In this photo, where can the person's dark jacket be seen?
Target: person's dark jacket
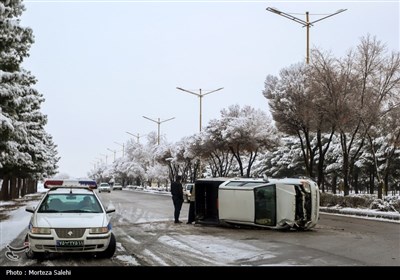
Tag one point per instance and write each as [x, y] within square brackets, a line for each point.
[177, 190]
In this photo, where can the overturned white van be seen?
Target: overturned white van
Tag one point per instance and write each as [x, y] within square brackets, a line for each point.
[274, 203]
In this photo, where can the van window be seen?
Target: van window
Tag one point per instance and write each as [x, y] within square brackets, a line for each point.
[265, 205]
[189, 187]
[242, 184]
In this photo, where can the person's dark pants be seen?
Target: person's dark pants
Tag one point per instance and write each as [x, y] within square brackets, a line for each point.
[192, 214]
[177, 206]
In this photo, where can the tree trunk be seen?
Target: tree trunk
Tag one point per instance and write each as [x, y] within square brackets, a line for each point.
[334, 182]
[345, 165]
[321, 159]
[346, 187]
[386, 184]
[371, 180]
[19, 187]
[320, 168]
[380, 187]
[30, 186]
[13, 187]
[24, 187]
[4, 194]
[356, 181]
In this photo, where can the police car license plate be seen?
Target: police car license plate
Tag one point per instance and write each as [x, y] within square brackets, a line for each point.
[69, 243]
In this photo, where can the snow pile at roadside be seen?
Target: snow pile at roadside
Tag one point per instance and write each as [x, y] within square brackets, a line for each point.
[367, 205]
[361, 212]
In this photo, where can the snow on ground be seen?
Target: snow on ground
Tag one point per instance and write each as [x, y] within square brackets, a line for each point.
[362, 212]
[17, 221]
[127, 259]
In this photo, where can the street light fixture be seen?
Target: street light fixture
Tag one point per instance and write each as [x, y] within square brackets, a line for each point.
[305, 23]
[114, 151]
[158, 122]
[200, 96]
[137, 136]
[123, 148]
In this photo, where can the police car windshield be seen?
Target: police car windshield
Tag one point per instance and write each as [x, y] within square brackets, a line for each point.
[70, 203]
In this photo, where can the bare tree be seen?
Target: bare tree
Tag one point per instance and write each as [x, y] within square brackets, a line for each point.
[369, 82]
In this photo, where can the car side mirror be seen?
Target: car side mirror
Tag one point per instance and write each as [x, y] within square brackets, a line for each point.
[110, 209]
[30, 209]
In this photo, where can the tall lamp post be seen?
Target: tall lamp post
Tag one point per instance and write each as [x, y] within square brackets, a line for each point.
[305, 23]
[200, 96]
[137, 136]
[123, 148]
[158, 122]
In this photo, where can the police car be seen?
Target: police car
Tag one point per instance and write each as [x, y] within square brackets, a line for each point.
[70, 218]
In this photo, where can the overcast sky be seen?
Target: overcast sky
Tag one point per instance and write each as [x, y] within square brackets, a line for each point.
[103, 65]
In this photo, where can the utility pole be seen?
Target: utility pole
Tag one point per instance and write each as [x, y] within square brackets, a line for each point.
[200, 96]
[158, 122]
[137, 136]
[306, 24]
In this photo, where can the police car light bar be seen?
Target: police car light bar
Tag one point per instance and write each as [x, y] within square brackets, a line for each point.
[50, 183]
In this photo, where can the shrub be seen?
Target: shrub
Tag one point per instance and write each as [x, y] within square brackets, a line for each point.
[353, 201]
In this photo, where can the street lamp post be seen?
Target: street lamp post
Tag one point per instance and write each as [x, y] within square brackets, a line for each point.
[123, 148]
[114, 151]
[306, 24]
[200, 96]
[158, 122]
[137, 136]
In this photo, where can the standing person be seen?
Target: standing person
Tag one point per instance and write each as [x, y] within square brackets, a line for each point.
[192, 212]
[177, 197]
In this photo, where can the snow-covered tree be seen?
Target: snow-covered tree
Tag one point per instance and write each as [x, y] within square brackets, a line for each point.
[384, 147]
[212, 148]
[346, 96]
[283, 161]
[291, 101]
[245, 132]
[371, 82]
[27, 151]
